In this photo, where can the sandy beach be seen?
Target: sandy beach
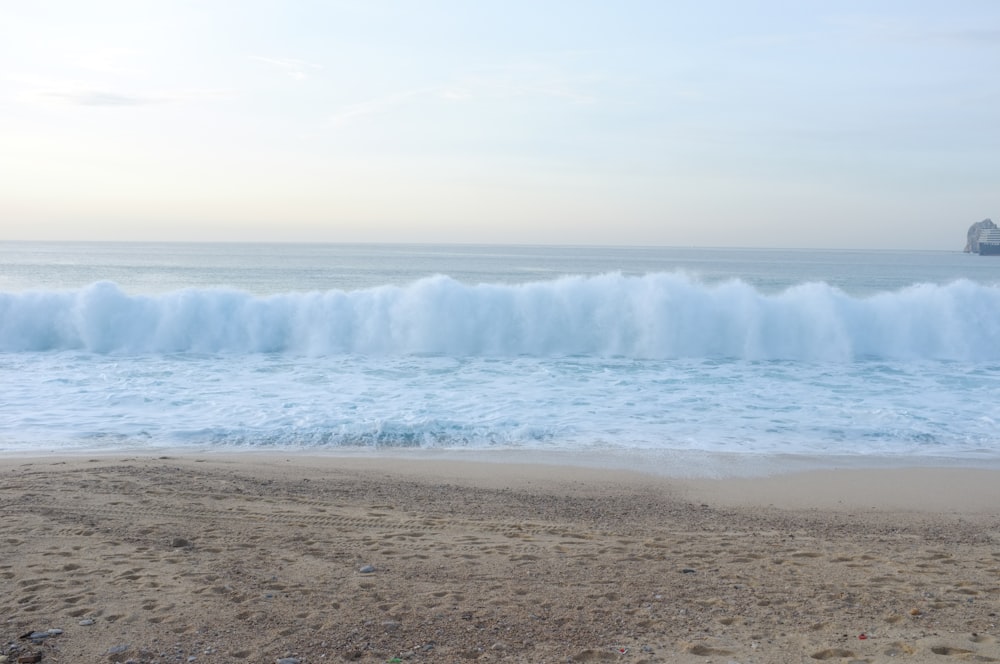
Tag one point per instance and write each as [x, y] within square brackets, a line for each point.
[267, 558]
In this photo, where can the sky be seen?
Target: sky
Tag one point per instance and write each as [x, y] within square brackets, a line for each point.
[793, 123]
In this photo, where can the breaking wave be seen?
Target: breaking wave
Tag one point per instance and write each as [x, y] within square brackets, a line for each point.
[661, 316]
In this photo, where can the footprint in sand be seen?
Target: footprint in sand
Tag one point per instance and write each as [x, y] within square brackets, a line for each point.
[594, 656]
[946, 650]
[897, 649]
[705, 651]
[832, 653]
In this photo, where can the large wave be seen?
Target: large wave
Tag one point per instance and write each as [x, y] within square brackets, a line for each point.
[663, 315]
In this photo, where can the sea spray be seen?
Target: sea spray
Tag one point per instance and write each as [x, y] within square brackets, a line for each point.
[655, 316]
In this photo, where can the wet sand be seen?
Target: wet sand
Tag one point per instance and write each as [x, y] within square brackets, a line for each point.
[254, 558]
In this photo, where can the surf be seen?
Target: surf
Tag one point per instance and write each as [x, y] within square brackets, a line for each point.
[652, 316]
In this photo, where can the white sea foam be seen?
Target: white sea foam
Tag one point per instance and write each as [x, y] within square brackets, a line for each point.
[570, 404]
[656, 316]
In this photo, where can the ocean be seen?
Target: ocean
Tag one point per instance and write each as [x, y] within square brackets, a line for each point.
[681, 361]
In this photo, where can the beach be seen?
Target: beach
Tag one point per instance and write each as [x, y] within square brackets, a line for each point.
[270, 557]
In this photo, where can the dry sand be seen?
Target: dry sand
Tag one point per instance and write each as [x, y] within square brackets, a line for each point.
[230, 558]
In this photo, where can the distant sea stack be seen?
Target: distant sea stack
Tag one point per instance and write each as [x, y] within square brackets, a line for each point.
[972, 241]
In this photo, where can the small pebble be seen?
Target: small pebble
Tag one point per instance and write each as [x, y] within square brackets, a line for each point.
[179, 542]
[687, 570]
[288, 660]
[367, 569]
[86, 622]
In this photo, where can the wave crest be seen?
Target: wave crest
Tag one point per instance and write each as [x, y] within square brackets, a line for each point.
[663, 315]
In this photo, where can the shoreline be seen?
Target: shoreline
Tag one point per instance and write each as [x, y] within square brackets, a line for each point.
[255, 557]
[793, 483]
[665, 464]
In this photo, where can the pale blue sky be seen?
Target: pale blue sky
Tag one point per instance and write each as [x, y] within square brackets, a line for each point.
[783, 124]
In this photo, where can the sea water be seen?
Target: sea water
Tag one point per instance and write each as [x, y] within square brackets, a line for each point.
[675, 360]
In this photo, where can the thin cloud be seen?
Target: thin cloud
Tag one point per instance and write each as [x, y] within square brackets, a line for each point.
[196, 94]
[99, 98]
[973, 36]
[85, 96]
[109, 60]
[690, 94]
[456, 94]
[907, 32]
[296, 69]
[379, 105]
[504, 84]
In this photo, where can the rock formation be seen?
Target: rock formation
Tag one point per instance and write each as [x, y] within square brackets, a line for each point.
[972, 243]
